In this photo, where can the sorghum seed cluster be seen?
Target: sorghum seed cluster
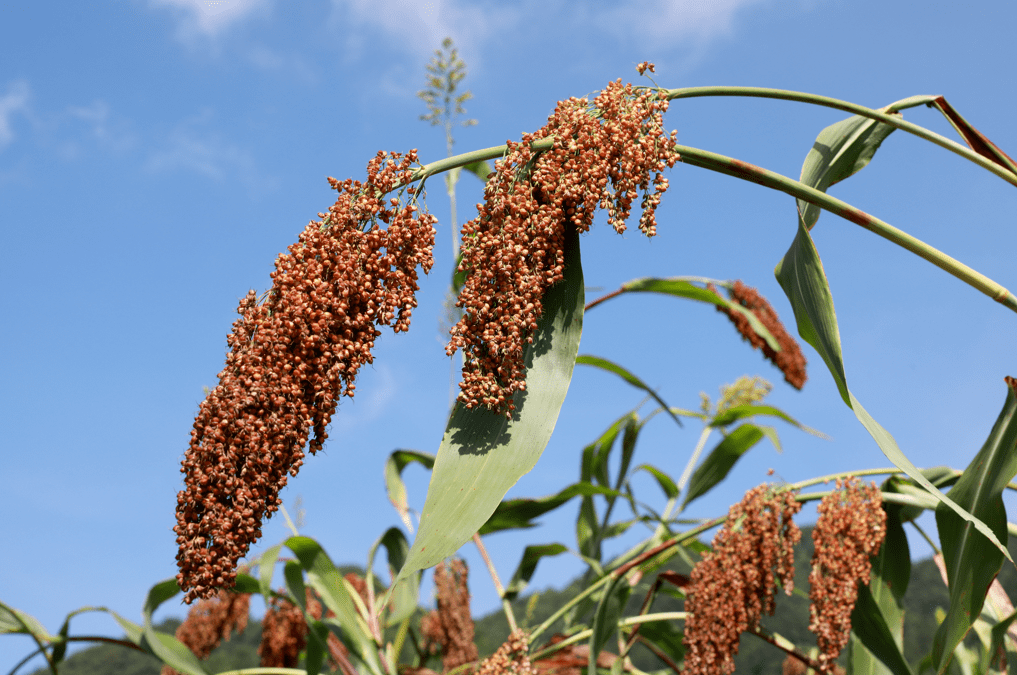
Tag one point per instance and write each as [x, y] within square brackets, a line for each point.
[789, 359]
[512, 658]
[513, 251]
[210, 622]
[451, 625]
[283, 634]
[733, 586]
[291, 358]
[850, 529]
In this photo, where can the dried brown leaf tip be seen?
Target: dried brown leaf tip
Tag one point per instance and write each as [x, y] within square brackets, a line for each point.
[291, 358]
[210, 622]
[789, 359]
[512, 658]
[605, 155]
[450, 627]
[733, 585]
[850, 529]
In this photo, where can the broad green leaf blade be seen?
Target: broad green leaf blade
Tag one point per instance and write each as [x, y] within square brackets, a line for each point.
[528, 565]
[513, 514]
[973, 137]
[683, 287]
[718, 463]
[328, 583]
[394, 484]
[801, 276]
[483, 454]
[891, 571]
[840, 150]
[247, 584]
[605, 619]
[316, 647]
[972, 561]
[742, 411]
[869, 624]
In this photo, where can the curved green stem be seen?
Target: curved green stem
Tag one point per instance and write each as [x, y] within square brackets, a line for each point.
[755, 174]
[881, 115]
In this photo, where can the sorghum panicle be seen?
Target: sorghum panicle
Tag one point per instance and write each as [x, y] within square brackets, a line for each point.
[513, 250]
[512, 658]
[451, 625]
[283, 634]
[850, 529]
[210, 622]
[732, 586]
[291, 358]
[789, 359]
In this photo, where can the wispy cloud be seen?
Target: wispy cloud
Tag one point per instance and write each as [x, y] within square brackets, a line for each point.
[673, 21]
[193, 147]
[14, 101]
[209, 18]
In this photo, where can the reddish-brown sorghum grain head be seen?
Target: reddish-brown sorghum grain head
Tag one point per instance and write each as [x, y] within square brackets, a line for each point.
[605, 155]
[512, 658]
[450, 627]
[283, 634]
[733, 585]
[850, 529]
[789, 359]
[210, 622]
[291, 358]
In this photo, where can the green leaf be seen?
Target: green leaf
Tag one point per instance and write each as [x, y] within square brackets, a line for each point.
[1001, 652]
[479, 169]
[604, 364]
[513, 514]
[801, 276]
[666, 483]
[593, 466]
[721, 459]
[939, 476]
[172, 652]
[15, 621]
[682, 287]
[483, 454]
[972, 561]
[840, 151]
[317, 647]
[869, 624]
[891, 571]
[742, 411]
[605, 619]
[403, 599]
[394, 484]
[528, 565]
[328, 583]
[266, 568]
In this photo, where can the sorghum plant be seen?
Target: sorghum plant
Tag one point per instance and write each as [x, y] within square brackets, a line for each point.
[296, 351]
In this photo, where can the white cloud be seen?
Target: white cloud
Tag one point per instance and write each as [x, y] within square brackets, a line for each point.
[14, 101]
[697, 20]
[209, 18]
[191, 147]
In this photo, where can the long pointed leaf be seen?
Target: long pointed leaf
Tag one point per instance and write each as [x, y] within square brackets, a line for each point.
[609, 366]
[394, 484]
[514, 514]
[721, 459]
[482, 454]
[972, 562]
[801, 276]
[528, 565]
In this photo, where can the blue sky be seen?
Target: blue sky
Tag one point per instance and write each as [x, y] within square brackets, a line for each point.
[156, 155]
